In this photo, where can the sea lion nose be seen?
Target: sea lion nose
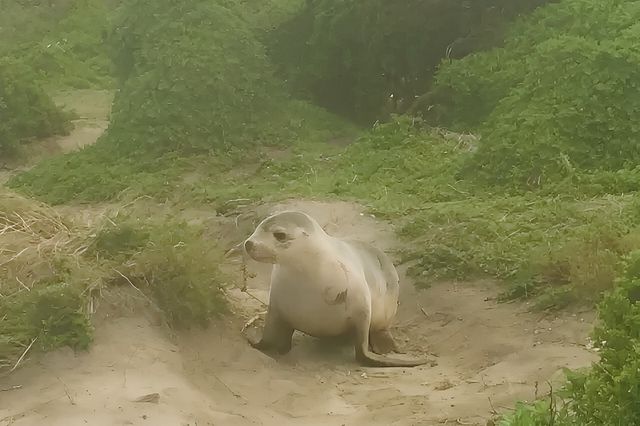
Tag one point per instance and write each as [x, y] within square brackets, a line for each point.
[248, 245]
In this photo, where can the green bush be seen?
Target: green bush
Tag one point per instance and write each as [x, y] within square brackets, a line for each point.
[556, 101]
[350, 56]
[541, 413]
[479, 81]
[62, 42]
[181, 102]
[571, 112]
[537, 245]
[97, 173]
[26, 111]
[58, 315]
[609, 393]
[181, 271]
[168, 260]
[398, 165]
[118, 241]
[74, 54]
[191, 78]
[50, 315]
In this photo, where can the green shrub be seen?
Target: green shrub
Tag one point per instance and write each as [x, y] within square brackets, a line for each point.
[168, 260]
[609, 392]
[191, 78]
[537, 245]
[350, 56]
[98, 173]
[182, 274]
[479, 81]
[540, 413]
[26, 111]
[74, 54]
[51, 314]
[61, 42]
[181, 102]
[57, 313]
[571, 112]
[556, 101]
[395, 167]
[115, 241]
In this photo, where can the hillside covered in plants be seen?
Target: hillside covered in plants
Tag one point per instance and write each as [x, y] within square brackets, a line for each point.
[500, 139]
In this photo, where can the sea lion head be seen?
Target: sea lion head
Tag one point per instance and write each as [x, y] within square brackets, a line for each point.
[281, 237]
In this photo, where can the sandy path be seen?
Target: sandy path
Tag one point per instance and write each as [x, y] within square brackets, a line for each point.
[489, 355]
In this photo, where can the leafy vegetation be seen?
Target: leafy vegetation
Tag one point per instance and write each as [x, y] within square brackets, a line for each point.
[180, 97]
[61, 42]
[42, 304]
[560, 250]
[166, 259]
[608, 393]
[184, 66]
[50, 315]
[556, 101]
[171, 262]
[564, 249]
[26, 111]
[203, 116]
[350, 56]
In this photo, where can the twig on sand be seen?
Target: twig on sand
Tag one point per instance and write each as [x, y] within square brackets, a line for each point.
[66, 390]
[11, 388]
[237, 200]
[245, 279]
[132, 285]
[254, 297]
[251, 321]
[231, 391]
[23, 355]
[493, 409]
[152, 398]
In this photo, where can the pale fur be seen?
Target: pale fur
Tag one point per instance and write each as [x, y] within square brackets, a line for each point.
[326, 286]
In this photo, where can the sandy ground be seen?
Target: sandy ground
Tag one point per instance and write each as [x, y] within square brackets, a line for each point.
[93, 108]
[489, 356]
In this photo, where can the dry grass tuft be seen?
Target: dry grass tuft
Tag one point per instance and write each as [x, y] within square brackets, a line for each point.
[39, 253]
[33, 237]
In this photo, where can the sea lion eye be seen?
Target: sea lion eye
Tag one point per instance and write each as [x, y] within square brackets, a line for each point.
[280, 236]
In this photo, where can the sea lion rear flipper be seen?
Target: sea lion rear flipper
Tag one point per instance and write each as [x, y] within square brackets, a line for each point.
[382, 342]
[366, 357]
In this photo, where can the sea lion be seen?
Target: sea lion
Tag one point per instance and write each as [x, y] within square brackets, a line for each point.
[326, 287]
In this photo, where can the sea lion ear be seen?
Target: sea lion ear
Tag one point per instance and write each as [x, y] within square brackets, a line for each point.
[305, 233]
